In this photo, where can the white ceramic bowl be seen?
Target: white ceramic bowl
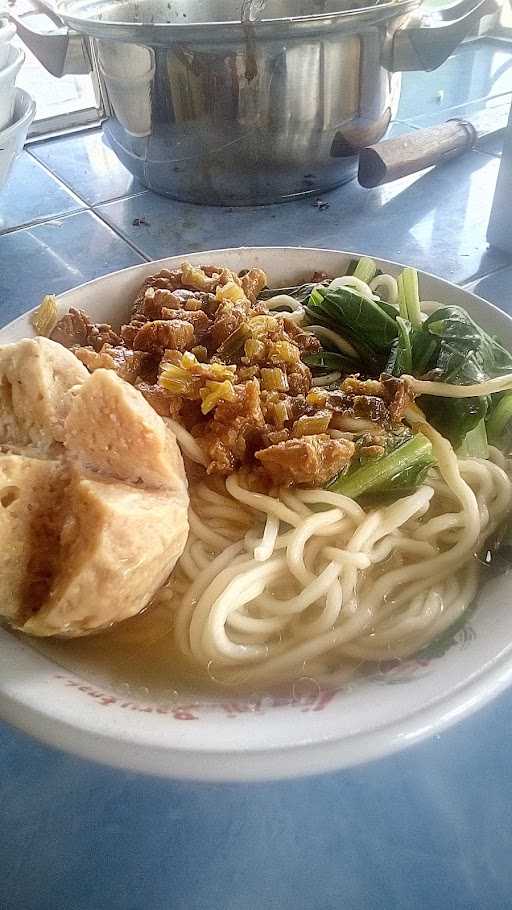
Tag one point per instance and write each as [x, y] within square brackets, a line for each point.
[212, 738]
[7, 33]
[12, 139]
[15, 58]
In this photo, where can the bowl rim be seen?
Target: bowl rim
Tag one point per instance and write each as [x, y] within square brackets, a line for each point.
[15, 59]
[252, 765]
[22, 118]
[7, 30]
[114, 747]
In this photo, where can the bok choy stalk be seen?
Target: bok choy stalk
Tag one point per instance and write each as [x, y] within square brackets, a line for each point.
[365, 270]
[409, 297]
[475, 444]
[401, 470]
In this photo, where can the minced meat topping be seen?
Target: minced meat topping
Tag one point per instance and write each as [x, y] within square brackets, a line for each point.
[203, 349]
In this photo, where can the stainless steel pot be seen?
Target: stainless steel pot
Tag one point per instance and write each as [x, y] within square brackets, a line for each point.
[206, 108]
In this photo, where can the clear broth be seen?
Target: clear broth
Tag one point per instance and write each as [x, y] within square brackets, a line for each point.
[137, 658]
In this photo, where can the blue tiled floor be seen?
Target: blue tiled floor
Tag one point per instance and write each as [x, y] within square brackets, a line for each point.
[32, 194]
[474, 72]
[436, 221]
[55, 256]
[497, 288]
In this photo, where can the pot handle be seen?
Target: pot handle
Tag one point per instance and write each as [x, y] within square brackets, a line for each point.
[425, 46]
[60, 50]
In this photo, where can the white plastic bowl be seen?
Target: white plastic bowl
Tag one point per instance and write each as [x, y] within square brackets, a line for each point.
[15, 58]
[12, 139]
[7, 33]
[262, 737]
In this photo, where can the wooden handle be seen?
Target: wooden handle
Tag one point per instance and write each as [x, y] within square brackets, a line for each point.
[412, 152]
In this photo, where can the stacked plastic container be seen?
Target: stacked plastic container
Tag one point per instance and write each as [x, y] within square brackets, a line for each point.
[17, 108]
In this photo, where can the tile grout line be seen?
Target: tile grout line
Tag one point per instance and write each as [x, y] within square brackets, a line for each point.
[55, 177]
[68, 186]
[88, 207]
[119, 232]
[78, 211]
[37, 222]
[64, 216]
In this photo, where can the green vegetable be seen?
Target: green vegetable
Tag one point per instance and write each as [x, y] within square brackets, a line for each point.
[361, 321]
[330, 360]
[403, 362]
[315, 298]
[454, 349]
[460, 335]
[464, 354]
[409, 298]
[475, 442]
[388, 308]
[448, 346]
[402, 469]
[365, 269]
[499, 423]
[299, 292]
[455, 417]
[424, 351]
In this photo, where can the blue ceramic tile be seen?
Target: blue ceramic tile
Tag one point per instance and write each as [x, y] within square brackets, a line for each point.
[496, 288]
[436, 221]
[477, 70]
[32, 194]
[398, 128]
[489, 115]
[55, 256]
[492, 145]
[428, 828]
[87, 164]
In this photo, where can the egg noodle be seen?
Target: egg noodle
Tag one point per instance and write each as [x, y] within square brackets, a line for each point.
[307, 581]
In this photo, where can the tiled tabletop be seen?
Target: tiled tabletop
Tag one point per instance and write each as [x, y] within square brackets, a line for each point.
[428, 828]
